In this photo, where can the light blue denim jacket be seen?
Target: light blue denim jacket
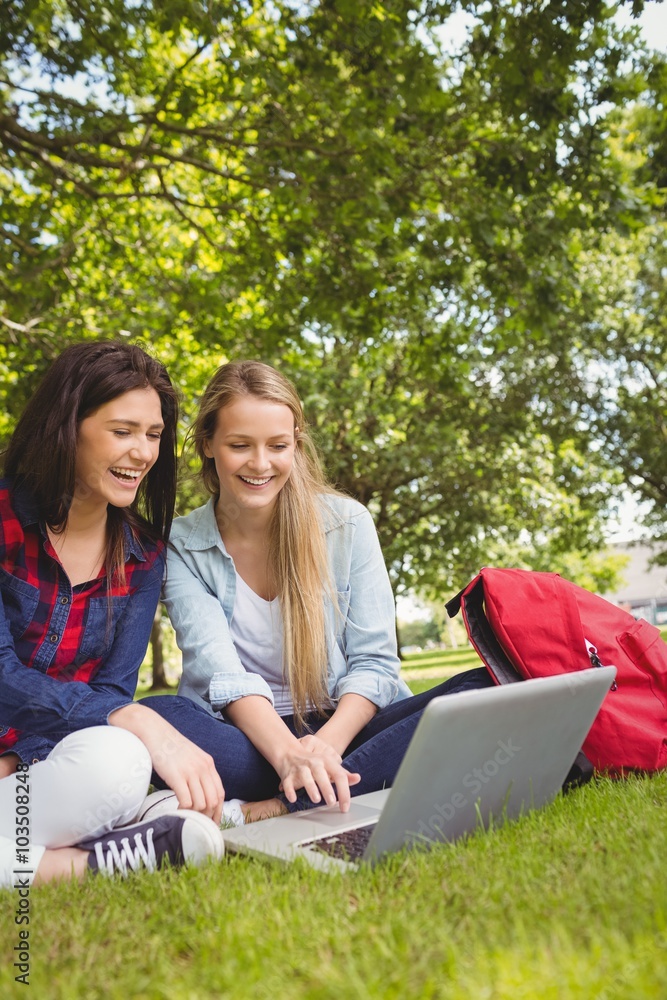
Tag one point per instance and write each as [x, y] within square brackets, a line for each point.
[199, 596]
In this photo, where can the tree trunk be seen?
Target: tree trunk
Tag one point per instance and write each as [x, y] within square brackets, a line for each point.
[159, 676]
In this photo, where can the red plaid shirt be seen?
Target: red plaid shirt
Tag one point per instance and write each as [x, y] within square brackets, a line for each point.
[92, 634]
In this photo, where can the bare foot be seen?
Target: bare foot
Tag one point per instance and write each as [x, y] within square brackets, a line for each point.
[266, 809]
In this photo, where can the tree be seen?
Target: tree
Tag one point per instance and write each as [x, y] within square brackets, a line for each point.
[632, 423]
[322, 186]
[159, 677]
[619, 388]
[297, 161]
[615, 334]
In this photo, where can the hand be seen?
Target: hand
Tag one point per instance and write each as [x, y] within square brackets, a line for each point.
[309, 763]
[8, 764]
[317, 773]
[313, 744]
[188, 770]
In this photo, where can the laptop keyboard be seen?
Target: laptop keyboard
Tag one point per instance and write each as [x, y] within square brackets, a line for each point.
[347, 846]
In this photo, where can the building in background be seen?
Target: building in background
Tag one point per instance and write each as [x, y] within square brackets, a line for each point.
[644, 590]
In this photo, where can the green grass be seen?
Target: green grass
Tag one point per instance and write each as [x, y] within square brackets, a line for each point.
[448, 658]
[438, 665]
[567, 902]
[419, 684]
[447, 661]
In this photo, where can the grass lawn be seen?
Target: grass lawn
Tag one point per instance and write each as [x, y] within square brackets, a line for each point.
[450, 658]
[567, 902]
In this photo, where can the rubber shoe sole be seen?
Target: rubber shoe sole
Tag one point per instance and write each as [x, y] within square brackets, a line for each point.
[200, 838]
[163, 803]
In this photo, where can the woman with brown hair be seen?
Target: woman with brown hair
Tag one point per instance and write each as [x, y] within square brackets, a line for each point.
[283, 610]
[85, 512]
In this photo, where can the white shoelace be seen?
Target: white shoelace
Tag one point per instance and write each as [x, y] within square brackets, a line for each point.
[134, 857]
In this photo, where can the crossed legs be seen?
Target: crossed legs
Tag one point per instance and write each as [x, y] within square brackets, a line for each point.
[376, 753]
[93, 781]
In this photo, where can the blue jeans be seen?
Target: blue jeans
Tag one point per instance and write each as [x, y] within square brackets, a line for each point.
[375, 753]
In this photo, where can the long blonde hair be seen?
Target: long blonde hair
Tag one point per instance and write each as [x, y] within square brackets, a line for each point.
[298, 565]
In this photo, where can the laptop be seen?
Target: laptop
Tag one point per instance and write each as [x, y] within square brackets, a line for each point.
[476, 758]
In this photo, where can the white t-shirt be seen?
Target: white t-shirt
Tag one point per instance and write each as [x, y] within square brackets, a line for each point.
[257, 632]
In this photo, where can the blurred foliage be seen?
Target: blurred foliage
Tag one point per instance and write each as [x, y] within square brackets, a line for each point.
[437, 246]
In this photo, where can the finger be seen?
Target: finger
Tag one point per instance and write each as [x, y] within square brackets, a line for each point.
[310, 786]
[197, 794]
[311, 775]
[214, 792]
[200, 790]
[323, 779]
[220, 798]
[288, 789]
[214, 795]
[181, 790]
[343, 788]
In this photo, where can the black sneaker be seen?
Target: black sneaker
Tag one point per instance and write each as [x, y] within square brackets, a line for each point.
[185, 837]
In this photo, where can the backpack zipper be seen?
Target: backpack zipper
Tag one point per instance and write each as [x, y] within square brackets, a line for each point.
[595, 660]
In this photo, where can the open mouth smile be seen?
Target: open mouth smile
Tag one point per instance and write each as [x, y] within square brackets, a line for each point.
[255, 482]
[125, 475]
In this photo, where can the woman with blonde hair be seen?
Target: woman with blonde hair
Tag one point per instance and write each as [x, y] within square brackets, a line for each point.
[283, 610]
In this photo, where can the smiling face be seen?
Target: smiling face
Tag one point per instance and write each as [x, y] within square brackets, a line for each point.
[117, 445]
[253, 450]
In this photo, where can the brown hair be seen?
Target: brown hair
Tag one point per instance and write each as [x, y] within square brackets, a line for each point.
[42, 450]
[298, 562]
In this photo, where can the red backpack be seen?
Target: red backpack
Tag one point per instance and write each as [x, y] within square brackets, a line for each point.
[528, 624]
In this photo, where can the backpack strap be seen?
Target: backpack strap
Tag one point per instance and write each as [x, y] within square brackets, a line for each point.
[580, 773]
[471, 603]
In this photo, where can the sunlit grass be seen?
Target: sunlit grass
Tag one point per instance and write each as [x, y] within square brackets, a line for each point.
[567, 902]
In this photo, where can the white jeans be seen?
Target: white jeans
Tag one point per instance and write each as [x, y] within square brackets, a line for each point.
[91, 782]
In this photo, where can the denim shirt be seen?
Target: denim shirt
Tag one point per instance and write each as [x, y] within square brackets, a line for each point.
[42, 701]
[361, 635]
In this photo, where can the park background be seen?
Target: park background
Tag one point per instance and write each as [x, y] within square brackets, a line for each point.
[446, 222]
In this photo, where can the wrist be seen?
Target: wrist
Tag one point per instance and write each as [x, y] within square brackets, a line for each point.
[282, 755]
[332, 735]
[132, 710]
[127, 716]
[265, 729]
[141, 721]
